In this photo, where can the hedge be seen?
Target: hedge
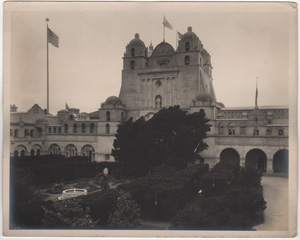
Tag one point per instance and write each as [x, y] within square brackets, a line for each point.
[161, 193]
[232, 199]
[49, 169]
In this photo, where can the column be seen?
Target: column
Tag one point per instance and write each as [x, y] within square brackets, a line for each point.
[147, 93]
[269, 165]
[167, 89]
[176, 91]
[142, 92]
[242, 162]
[165, 93]
[152, 97]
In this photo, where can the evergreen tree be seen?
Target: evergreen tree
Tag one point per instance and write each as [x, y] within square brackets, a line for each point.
[170, 137]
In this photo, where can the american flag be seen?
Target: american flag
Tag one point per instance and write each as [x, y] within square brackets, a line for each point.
[52, 38]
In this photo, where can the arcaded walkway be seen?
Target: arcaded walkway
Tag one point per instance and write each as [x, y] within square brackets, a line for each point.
[276, 196]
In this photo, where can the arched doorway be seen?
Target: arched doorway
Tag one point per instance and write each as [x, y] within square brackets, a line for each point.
[89, 152]
[36, 150]
[23, 153]
[230, 155]
[281, 161]
[256, 159]
[32, 152]
[54, 149]
[70, 151]
[16, 153]
[20, 151]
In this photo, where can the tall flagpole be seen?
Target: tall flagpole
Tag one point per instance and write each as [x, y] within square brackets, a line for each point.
[256, 95]
[47, 20]
[164, 32]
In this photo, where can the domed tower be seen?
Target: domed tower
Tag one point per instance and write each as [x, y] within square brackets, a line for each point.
[135, 55]
[190, 53]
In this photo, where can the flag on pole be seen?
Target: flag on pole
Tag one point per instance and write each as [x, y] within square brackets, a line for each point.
[167, 24]
[256, 95]
[179, 35]
[52, 38]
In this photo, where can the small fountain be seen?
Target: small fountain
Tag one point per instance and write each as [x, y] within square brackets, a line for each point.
[72, 192]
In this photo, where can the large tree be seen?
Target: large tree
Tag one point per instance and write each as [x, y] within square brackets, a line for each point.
[171, 137]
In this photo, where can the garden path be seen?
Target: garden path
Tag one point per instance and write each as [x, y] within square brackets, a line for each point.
[276, 195]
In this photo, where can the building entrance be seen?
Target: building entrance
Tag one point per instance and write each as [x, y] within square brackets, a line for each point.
[256, 159]
[281, 161]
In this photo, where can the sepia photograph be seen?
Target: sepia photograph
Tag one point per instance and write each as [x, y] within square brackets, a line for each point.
[150, 119]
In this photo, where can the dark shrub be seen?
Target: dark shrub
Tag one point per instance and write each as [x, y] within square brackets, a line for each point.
[101, 204]
[231, 200]
[27, 215]
[164, 191]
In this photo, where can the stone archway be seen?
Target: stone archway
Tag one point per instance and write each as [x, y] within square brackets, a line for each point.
[54, 149]
[20, 150]
[281, 161]
[70, 151]
[16, 153]
[89, 152]
[36, 150]
[230, 155]
[256, 159]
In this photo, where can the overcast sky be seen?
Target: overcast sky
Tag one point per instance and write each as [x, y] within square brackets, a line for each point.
[245, 41]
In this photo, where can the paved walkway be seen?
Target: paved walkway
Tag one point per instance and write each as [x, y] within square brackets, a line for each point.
[276, 195]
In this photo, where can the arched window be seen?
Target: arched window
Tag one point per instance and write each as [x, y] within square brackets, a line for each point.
[231, 129]
[31, 133]
[39, 132]
[74, 128]
[70, 150]
[280, 132]
[108, 116]
[32, 152]
[22, 153]
[132, 52]
[54, 149]
[255, 131]
[83, 127]
[269, 132]
[122, 116]
[54, 130]
[107, 129]
[221, 129]
[66, 128]
[132, 64]
[49, 130]
[38, 152]
[187, 60]
[242, 129]
[16, 153]
[158, 101]
[26, 132]
[187, 46]
[92, 128]
[16, 133]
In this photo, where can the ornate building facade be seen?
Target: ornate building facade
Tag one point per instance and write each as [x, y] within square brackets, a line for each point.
[153, 79]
